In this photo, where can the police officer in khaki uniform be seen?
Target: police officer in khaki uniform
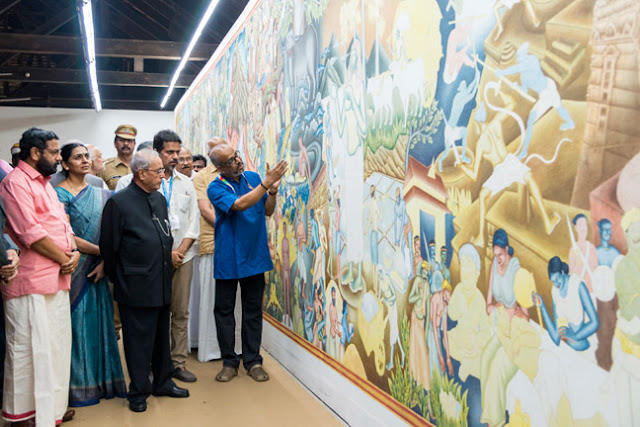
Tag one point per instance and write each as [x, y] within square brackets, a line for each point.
[117, 167]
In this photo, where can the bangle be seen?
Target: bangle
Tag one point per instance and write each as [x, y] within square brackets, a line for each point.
[264, 186]
[75, 250]
[272, 194]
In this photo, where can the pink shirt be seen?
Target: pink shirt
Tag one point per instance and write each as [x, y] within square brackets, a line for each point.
[34, 212]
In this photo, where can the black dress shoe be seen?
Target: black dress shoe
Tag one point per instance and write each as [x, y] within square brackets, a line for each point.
[138, 405]
[172, 391]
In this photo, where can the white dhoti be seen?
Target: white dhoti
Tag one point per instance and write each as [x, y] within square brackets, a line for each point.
[38, 359]
[208, 347]
[194, 306]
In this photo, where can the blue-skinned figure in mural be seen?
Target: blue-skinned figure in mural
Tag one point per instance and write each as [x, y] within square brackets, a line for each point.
[532, 77]
[606, 251]
[575, 318]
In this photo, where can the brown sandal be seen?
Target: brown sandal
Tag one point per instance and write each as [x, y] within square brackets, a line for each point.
[258, 373]
[226, 374]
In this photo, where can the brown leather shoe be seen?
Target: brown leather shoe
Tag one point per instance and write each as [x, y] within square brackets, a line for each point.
[226, 374]
[68, 416]
[183, 375]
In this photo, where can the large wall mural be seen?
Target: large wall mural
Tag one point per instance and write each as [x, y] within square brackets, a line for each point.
[460, 224]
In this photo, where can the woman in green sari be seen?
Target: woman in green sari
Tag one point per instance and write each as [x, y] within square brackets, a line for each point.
[96, 371]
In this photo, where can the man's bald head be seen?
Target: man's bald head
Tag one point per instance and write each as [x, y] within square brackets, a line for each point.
[215, 142]
[220, 152]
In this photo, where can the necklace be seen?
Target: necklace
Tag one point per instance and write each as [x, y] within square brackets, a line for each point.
[167, 231]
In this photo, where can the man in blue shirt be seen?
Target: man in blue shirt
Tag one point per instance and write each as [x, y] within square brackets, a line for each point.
[242, 201]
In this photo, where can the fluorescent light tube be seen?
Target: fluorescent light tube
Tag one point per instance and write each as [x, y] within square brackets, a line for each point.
[88, 40]
[187, 54]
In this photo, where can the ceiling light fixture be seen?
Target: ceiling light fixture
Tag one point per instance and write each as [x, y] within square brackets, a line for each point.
[85, 16]
[187, 54]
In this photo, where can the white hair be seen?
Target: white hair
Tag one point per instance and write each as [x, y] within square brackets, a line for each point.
[141, 160]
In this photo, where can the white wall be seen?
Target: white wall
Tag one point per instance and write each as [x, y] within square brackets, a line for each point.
[85, 125]
[346, 399]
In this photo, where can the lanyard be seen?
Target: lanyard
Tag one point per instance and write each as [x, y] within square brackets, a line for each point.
[228, 184]
[164, 190]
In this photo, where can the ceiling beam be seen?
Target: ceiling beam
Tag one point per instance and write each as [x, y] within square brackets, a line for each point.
[129, 16]
[5, 5]
[121, 48]
[75, 76]
[57, 21]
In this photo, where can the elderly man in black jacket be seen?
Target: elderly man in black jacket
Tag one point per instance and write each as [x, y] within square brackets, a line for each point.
[135, 244]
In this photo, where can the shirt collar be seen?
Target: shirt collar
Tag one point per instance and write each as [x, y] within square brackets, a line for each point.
[31, 172]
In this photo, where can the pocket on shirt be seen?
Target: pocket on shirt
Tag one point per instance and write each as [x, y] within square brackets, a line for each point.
[183, 202]
[136, 270]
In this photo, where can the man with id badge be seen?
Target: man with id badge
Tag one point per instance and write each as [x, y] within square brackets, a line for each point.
[242, 200]
[184, 218]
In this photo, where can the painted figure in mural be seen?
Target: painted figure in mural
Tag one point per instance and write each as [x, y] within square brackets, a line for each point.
[626, 365]
[335, 334]
[308, 298]
[444, 270]
[319, 231]
[452, 131]
[467, 308]
[513, 346]
[583, 256]
[318, 308]
[604, 291]
[438, 320]
[607, 253]
[417, 257]
[373, 221]
[507, 168]
[286, 275]
[500, 4]
[400, 215]
[387, 295]
[420, 297]
[458, 45]
[304, 166]
[502, 277]
[347, 327]
[532, 77]
[435, 274]
[575, 318]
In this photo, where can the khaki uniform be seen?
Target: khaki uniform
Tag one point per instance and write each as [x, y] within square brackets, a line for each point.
[114, 169]
[201, 183]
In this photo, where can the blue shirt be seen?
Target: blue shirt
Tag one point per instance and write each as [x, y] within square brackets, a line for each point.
[241, 236]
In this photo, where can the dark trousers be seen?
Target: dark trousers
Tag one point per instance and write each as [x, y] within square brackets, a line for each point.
[251, 291]
[146, 348]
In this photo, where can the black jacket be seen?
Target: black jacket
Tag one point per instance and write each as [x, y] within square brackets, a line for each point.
[135, 243]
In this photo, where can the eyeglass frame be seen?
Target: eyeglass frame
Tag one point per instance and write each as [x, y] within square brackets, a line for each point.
[232, 160]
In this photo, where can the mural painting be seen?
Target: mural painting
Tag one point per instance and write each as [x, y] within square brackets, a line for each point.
[460, 224]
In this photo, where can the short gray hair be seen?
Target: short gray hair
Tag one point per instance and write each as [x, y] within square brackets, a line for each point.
[141, 160]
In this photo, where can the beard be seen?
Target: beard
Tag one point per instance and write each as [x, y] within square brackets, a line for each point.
[45, 168]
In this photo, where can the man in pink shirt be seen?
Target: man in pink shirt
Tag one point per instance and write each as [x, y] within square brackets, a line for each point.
[38, 322]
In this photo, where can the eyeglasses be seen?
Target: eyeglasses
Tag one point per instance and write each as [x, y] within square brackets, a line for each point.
[159, 172]
[233, 159]
[185, 159]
